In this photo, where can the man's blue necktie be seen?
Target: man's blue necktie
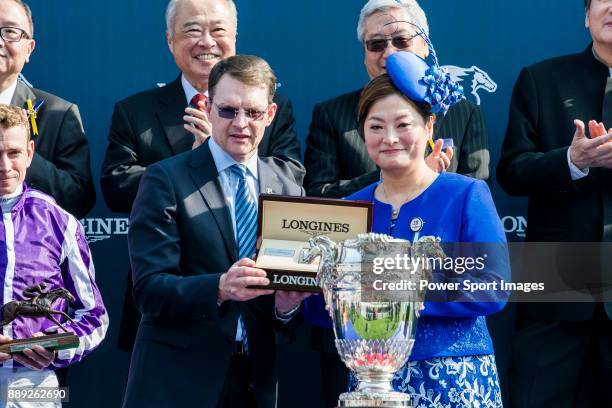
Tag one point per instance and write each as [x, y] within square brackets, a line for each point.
[245, 211]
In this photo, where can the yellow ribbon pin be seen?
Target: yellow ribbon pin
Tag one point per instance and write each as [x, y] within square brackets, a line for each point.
[32, 114]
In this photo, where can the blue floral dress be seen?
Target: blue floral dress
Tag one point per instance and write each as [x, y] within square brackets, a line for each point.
[449, 382]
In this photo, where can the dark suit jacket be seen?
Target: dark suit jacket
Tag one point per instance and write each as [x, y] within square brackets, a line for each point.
[61, 165]
[181, 240]
[547, 97]
[337, 161]
[148, 127]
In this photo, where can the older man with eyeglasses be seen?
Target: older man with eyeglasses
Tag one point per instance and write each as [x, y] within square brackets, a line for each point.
[61, 163]
[337, 161]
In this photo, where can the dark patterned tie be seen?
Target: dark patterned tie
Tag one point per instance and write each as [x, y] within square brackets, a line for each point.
[245, 211]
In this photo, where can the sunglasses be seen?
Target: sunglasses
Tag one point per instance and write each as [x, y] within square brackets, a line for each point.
[380, 44]
[229, 112]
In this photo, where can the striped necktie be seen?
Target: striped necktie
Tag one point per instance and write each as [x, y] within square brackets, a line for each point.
[245, 212]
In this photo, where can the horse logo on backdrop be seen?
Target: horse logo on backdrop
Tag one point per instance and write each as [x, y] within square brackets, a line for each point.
[480, 80]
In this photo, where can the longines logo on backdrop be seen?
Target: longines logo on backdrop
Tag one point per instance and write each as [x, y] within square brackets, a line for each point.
[514, 225]
[98, 229]
[479, 80]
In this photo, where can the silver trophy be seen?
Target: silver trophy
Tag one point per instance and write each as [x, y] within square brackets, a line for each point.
[374, 336]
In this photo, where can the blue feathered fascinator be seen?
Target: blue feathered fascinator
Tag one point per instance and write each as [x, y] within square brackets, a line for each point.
[421, 81]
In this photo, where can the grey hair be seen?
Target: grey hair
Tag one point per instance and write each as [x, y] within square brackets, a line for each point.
[413, 10]
[28, 13]
[171, 14]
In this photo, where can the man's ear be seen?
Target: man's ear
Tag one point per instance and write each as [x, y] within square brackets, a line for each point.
[30, 151]
[271, 113]
[429, 126]
[31, 45]
[169, 40]
[422, 48]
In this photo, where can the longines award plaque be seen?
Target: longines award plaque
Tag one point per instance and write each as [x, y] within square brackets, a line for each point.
[285, 224]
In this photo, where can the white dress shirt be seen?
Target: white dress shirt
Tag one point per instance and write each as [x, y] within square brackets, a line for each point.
[6, 96]
[229, 181]
[190, 91]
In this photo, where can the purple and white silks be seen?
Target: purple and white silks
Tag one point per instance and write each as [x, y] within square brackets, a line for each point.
[40, 242]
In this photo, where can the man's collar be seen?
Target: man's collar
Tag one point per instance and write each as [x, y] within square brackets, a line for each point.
[14, 201]
[6, 96]
[18, 191]
[224, 161]
[190, 91]
[600, 60]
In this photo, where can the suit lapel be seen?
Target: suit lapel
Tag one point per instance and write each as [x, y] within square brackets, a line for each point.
[269, 182]
[170, 114]
[204, 174]
[22, 94]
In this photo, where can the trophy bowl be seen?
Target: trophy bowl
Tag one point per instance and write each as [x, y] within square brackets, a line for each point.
[374, 337]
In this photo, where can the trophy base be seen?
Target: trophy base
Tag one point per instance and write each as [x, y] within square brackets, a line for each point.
[50, 342]
[375, 400]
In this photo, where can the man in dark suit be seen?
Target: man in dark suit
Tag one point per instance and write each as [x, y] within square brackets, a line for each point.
[161, 122]
[191, 239]
[336, 158]
[61, 163]
[547, 157]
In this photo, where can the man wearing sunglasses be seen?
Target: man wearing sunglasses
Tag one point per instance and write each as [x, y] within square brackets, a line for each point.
[162, 122]
[61, 163]
[336, 158]
[192, 239]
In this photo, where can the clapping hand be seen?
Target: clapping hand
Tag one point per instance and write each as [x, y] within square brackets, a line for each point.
[593, 152]
[439, 160]
[197, 123]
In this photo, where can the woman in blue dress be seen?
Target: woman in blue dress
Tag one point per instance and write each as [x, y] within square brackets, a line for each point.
[452, 363]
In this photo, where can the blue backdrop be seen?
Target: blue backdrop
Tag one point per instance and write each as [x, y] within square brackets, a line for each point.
[95, 53]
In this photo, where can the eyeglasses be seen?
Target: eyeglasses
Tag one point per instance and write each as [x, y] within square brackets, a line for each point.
[229, 112]
[400, 42]
[13, 34]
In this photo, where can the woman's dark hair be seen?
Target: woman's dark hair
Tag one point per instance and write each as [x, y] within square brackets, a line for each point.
[379, 88]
